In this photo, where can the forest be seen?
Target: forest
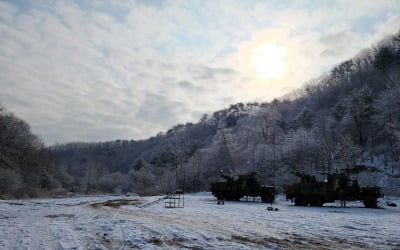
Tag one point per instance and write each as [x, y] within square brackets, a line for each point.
[347, 119]
[27, 167]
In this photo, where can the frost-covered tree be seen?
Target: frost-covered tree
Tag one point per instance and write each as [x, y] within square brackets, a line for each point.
[27, 169]
[346, 153]
[360, 113]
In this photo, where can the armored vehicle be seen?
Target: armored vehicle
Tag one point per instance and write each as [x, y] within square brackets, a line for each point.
[246, 185]
[338, 186]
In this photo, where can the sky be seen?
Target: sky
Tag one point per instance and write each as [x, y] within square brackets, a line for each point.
[97, 70]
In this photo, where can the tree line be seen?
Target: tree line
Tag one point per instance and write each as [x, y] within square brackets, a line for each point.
[27, 168]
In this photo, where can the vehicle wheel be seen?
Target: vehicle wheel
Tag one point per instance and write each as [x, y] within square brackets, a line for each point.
[316, 201]
[370, 202]
[300, 201]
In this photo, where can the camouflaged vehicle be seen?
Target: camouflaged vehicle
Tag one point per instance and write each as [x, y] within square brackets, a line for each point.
[246, 185]
[337, 187]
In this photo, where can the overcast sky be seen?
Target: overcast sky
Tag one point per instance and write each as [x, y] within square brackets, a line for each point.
[102, 70]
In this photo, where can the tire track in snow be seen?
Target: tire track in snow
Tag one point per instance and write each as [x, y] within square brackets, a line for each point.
[206, 229]
[242, 231]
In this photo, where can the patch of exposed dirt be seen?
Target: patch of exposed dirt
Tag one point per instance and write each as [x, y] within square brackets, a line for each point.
[14, 203]
[177, 242]
[60, 215]
[4, 217]
[155, 241]
[350, 243]
[298, 242]
[267, 241]
[118, 203]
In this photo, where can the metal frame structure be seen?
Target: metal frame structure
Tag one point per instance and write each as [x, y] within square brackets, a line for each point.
[176, 200]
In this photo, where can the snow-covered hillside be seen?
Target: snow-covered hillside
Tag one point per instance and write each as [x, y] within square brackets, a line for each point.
[91, 223]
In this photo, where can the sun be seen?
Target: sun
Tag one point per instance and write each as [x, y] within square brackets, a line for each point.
[268, 60]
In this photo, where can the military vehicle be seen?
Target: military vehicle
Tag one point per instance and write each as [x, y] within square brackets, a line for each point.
[338, 186]
[246, 185]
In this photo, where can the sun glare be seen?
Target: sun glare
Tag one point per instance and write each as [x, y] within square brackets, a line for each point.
[269, 61]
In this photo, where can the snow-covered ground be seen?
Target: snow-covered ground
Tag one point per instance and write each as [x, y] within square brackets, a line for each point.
[90, 223]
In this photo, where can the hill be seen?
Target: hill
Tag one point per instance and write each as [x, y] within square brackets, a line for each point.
[349, 116]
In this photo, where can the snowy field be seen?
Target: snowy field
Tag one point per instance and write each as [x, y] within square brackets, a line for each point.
[91, 223]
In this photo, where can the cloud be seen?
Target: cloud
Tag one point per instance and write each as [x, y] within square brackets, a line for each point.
[340, 43]
[160, 109]
[211, 74]
[101, 70]
[385, 28]
[190, 86]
